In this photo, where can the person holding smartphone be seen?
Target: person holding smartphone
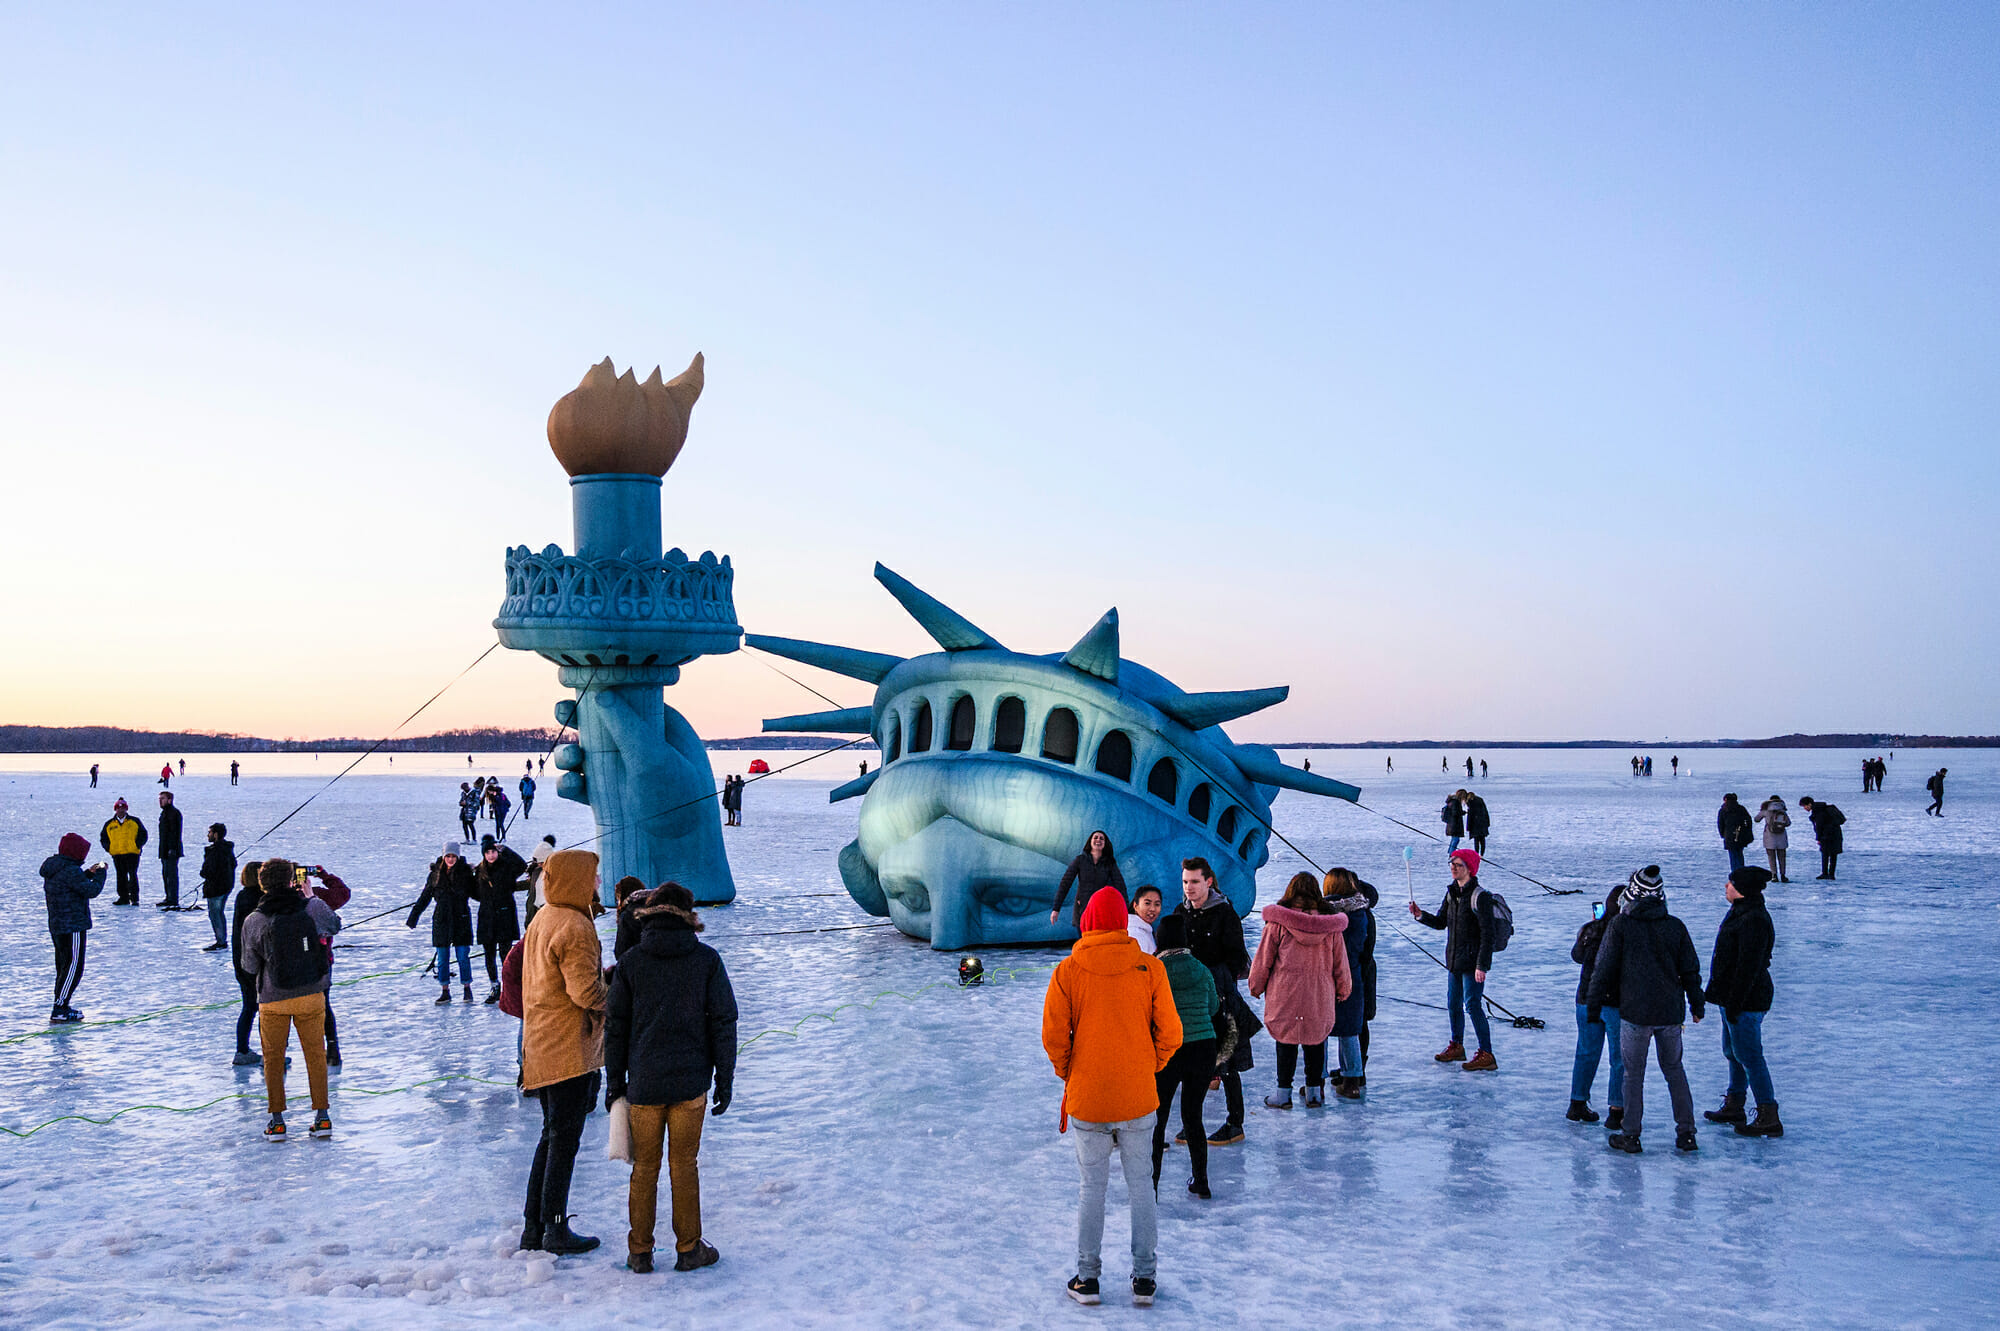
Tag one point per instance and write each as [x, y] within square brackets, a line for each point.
[1591, 1036]
[68, 888]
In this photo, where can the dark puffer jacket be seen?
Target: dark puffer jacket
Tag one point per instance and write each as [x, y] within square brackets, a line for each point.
[170, 833]
[1739, 972]
[1584, 951]
[1478, 821]
[1089, 876]
[1826, 821]
[1364, 974]
[1648, 962]
[1453, 814]
[452, 890]
[1735, 825]
[68, 887]
[1350, 1013]
[671, 1028]
[1465, 926]
[499, 921]
[218, 868]
[1215, 936]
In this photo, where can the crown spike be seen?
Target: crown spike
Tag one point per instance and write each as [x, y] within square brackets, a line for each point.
[1199, 711]
[1096, 652]
[869, 667]
[951, 630]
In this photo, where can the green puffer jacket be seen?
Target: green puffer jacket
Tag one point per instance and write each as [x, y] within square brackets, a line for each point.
[1194, 994]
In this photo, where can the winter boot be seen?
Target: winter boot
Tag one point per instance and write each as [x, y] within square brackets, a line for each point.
[1731, 1111]
[1581, 1112]
[444, 996]
[468, 995]
[1451, 1053]
[531, 1237]
[1315, 1097]
[1350, 1088]
[1483, 1061]
[1143, 1289]
[1199, 1187]
[274, 1131]
[1281, 1100]
[563, 1241]
[322, 1127]
[1765, 1125]
[492, 997]
[247, 1059]
[702, 1254]
[1614, 1119]
[1684, 1140]
[1083, 1291]
[1627, 1142]
[639, 1263]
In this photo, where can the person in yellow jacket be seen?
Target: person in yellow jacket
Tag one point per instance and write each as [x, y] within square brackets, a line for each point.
[123, 837]
[1109, 1025]
[563, 1002]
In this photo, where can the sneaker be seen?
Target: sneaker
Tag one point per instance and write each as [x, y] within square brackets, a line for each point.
[1281, 1100]
[1180, 1138]
[1451, 1053]
[274, 1131]
[215, 947]
[246, 1059]
[322, 1127]
[62, 1016]
[1229, 1134]
[1143, 1289]
[468, 995]
[639, 1263]
[1483, 1061]
[1083, 1291]
[702, 1254]
[444, 996]
[1624, 1141]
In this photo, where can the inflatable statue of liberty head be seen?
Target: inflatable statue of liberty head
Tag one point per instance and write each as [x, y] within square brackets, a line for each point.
[997, 766]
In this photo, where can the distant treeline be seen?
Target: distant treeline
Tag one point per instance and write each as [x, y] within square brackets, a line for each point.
[114, 739]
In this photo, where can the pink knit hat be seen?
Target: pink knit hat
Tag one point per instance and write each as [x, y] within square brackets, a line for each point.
[1471, 858]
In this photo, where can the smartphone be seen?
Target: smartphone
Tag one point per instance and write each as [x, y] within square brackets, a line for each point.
[1597, 911]
[301, 875]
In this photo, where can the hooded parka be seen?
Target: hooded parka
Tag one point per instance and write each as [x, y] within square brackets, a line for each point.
[562, 977]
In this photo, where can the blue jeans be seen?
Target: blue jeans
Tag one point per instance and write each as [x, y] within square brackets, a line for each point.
[1451, 844]
[1095, 1142]
[216, 905]
[1735, 857]
[444, 965]
[1350, 1055]
[1590, 1041]
[1743, 1046]
[1464, 992]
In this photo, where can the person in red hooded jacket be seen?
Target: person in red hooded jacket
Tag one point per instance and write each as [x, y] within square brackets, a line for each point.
[1109, 1025]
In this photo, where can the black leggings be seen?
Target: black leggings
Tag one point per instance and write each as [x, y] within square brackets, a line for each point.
[248, 1016]
[1827, 859]
[1288, 1062]
[494, 951]
[564, 1107]
[1187, 1071]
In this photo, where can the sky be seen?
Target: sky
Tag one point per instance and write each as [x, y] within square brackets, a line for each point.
[1548, 371]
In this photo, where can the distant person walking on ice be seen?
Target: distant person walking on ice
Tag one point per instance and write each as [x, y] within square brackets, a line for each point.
[527, 796]
[1826, 822]
[93, 776]
[184, 767]
[1936, 787]
[166, 774]
[1109, 1026]
[170, 853]
[1732, 822]
[1773, 815]
[1453, 815]
[1468, 769]
[1482, 769]
[1649, 963]
[1096, 868]
[234, 768]
[68, 888]
[123, 837]
[1739, 984]
[1675, 763]
[468, 806]
[1466, 915]
[1478, 822]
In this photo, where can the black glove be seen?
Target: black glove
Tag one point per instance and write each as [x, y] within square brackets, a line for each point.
[613, 1091]
[723, 1092]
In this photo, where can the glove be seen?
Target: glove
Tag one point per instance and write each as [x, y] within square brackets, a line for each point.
[723, 1094]
[613, 1092]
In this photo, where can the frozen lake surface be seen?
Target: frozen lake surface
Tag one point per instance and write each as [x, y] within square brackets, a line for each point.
[892, 1155]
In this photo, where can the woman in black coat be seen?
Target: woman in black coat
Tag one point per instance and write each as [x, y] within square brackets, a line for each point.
[1453, 815]
[1343, 892]
[451, 887]
[1095, 869]
[1739, 983]
[501, 873]
[247, 901]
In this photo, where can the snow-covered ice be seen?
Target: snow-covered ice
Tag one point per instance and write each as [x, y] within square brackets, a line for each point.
[892, 1156]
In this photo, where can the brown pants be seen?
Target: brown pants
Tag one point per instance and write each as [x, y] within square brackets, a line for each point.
[274, 1028]
[679, 1126]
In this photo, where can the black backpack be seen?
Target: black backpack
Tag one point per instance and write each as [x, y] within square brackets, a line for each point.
[299, 959]
[1501, 916]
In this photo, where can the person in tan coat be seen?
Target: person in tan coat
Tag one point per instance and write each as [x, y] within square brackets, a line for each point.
[562, 1040]
[1109, 1025]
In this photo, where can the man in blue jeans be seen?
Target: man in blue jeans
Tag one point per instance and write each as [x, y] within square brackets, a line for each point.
[218, 877]
[1466, 916]
[1734, 823]
[1592, 1036]
[1739, 983]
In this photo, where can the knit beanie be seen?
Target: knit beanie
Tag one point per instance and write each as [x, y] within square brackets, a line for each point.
[73, 846]
[1105, 911]
[1170, 933]
[1643, 886]
[1750, 880]
[1471, 858]
[453, 848]
[486, 843]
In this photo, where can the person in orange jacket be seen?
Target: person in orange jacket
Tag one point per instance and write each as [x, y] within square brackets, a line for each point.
[1109, 1025]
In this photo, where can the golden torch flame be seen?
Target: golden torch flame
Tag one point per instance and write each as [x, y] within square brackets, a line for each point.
[613, 423]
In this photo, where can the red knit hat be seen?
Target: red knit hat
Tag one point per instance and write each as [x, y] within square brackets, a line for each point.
[1106, 911]
[1471, 858]
[73, 846]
